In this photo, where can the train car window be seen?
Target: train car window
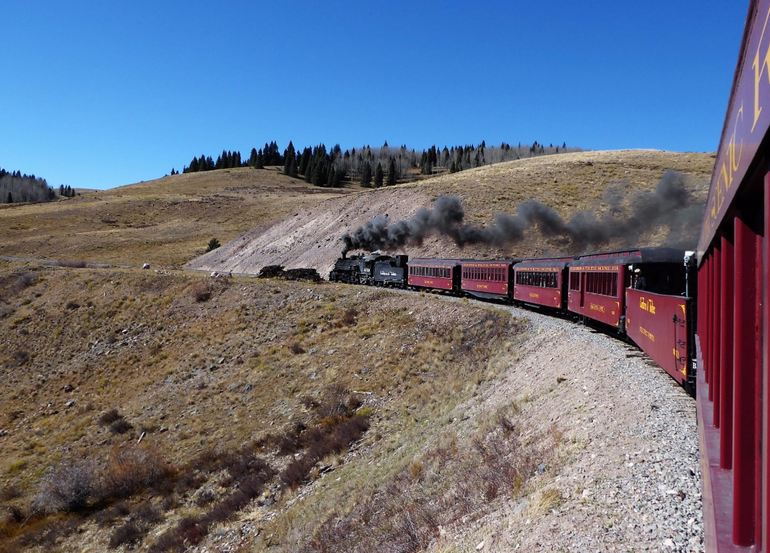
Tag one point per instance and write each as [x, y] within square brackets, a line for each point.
[574, 281]
[602, 283]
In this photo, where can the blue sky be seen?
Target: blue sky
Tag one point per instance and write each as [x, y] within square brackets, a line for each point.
[99, 94]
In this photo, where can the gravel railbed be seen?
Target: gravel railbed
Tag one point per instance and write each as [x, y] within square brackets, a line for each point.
[628, 471]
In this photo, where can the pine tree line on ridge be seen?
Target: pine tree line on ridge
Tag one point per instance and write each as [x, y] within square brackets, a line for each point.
[371, 167]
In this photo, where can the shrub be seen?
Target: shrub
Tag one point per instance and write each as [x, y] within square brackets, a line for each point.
[128, 534]
[296, 472]
[109, 417]
[204, 497]
[9, 492]
[296, 348]
[147, 513]
[120, 426]
[15, 514]
[67, 487]
[191, 531]
[332, 435]
[213, 244]
[200, 291]
[21, 357]
[133, 468]
[349, 317]
[24, 280]
[333, 402]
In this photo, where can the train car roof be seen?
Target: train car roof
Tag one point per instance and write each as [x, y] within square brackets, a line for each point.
[639, 255]
[429, 262]
[490, 261]
[555, 262]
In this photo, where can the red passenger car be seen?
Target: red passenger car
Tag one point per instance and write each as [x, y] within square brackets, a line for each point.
[597, 282]
[542, 282]
[435, 274]
[487, 279]
[734, 310]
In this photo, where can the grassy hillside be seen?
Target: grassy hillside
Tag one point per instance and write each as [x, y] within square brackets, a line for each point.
[166, 221]
[211, 375]
[568, 183]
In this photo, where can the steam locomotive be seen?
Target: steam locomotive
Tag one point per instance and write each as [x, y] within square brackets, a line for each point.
[644, 294]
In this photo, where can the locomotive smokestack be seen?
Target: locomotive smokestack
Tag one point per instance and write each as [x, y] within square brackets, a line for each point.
[669, 206]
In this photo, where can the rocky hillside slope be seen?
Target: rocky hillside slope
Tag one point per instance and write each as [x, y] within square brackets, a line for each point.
[154, 411]
[568, 183]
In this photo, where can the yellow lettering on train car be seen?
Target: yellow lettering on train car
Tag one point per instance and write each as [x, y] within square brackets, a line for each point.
[533, 295]
[647, 305]
[759, 69]
[646, 333]
[597, 307]
[728, 166]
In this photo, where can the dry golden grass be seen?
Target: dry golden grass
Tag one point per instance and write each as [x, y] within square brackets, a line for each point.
[218, 374]
[567, 182]
[165, 221]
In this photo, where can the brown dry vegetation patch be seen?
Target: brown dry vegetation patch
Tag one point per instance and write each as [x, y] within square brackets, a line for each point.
[244, 373]
[567, 182]
[165, 221]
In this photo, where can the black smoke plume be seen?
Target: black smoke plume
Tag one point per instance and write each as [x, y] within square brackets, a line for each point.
[670, 206]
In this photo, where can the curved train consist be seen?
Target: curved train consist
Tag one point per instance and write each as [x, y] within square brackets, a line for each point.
[644, 294]
[658, 308]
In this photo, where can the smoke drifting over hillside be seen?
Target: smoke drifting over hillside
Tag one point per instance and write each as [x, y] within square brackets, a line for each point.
[669, 206]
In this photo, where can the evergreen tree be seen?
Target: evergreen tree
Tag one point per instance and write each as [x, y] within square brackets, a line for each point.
[10, 198]
[392, 176]
[304, 161]
[253, 158]
[378, 176]
[289, 157]
[293, 167]
[319, 173]
[366, 174]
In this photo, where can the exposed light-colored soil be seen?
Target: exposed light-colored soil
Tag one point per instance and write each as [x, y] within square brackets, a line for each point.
[567, 182]
[164, 222]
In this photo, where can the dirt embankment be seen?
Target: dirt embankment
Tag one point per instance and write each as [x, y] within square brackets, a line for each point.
[567, 182]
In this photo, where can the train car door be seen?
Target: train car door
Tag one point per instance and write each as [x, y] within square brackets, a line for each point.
[582, 289]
